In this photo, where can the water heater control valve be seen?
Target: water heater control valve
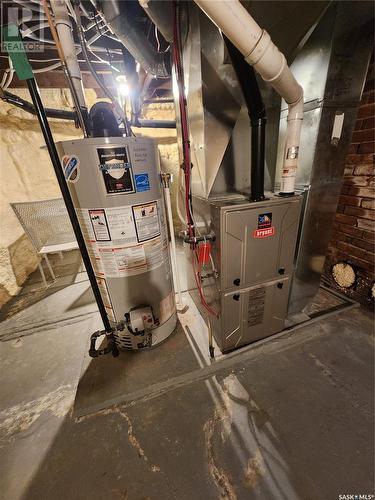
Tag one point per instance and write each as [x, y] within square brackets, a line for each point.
[141, 319]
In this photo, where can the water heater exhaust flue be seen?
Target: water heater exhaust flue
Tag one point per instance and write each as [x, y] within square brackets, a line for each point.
[115, 186]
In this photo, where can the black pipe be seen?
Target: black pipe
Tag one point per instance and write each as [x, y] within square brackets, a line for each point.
[257, 114]
[159, 100]
[44, 125]
[29, 108]
[155, 123]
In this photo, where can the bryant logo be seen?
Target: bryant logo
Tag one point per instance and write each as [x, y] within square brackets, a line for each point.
[264, 220]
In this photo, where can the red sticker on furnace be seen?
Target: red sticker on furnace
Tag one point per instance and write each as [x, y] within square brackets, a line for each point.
[264, 233]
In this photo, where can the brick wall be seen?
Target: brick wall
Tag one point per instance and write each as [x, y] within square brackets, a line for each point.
[353, 234]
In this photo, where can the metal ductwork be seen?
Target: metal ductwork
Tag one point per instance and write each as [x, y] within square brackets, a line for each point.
[122, 18]
[161, 14]
[332, 68]
[260, 52]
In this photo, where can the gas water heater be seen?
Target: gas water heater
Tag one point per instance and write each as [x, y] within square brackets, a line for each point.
[115, 186]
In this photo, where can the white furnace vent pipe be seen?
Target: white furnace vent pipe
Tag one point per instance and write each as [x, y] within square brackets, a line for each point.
[64, 29]
[259, 51]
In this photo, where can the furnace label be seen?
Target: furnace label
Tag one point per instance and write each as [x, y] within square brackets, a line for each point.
[146, 219]
[255, 310]
[99, 225]
[70, 166]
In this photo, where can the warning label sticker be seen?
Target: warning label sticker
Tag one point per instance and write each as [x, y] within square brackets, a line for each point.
[124, 241]
[118, 262]
[121, 224]
[99, 225]
[167, 308]
[102, 284]
[146, 221]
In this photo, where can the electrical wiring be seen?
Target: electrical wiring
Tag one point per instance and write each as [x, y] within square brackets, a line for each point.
[58, 64]
[79, 105]
[54, 59]
[29, 6]
[38, 27]
[187, 161]
[198, 281]
[94, 23]
[70, 10]
[184, 122]
[8, 75]
[117, 107]
[85, 12]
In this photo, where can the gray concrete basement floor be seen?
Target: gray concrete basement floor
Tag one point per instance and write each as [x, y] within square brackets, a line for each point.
[289, 418]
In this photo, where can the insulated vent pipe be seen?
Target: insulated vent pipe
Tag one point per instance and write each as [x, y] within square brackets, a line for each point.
[259, 51]
[257, 113]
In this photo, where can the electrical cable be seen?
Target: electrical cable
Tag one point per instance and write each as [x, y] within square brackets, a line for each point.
[8, 76]
[70, 10]
[177, 59]
[107, 92]
[184, 121]
[37, 27]
[80, 110]
[28, 5]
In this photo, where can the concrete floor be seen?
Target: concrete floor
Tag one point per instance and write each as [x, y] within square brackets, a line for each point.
[289, 418]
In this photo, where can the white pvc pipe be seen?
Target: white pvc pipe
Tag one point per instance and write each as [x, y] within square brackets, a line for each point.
[65, 31]
[176, 276]
[259, 51]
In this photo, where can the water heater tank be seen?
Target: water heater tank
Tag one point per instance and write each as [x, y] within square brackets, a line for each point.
[116, 190]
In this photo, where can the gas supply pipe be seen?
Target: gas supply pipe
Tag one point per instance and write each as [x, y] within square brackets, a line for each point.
[259, 51]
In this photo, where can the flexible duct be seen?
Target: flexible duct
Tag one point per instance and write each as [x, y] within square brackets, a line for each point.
[258, 50]
[120, 17]
[65, 31]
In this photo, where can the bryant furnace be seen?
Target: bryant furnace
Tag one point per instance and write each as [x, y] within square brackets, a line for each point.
[254, 257]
